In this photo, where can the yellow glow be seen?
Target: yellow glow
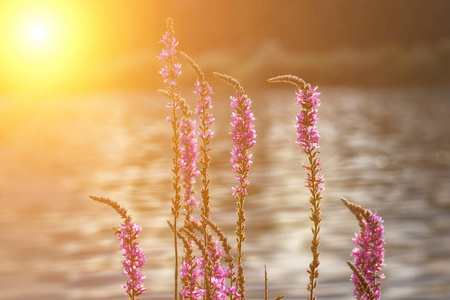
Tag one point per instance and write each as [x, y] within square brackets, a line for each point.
[39, 33]
[38, 43]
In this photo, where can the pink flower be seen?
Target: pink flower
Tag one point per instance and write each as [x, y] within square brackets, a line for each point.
[188, 163]
[243, 136]
[220, 289]
[308, 136]
[369, 257]
[204, 103]
[134, 258]
[189, 275]
[170, 43]
[171, 70]
[308, 141]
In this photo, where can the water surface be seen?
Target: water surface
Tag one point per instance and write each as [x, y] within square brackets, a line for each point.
[386, 149]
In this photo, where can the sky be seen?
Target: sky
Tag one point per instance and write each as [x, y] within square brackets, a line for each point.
[62, 46]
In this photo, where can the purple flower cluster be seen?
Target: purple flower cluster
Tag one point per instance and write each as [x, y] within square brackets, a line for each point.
[243, 136]
[134, 259]
[369, 257]
[171, 70]
[219, 274]
[308, 136]
[188, 163]
[194, 273]
[204, 91]
[191, 289]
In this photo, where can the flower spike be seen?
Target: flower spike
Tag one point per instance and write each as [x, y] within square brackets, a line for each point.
[369, 255]
[170, 73]
[243, 136]
[135, 259]
[308, 141]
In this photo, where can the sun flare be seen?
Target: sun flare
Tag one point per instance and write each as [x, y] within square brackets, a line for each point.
[38, 33]
[38, 41]
[39, 38]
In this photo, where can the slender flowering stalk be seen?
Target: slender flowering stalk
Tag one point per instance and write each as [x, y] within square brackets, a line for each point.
[170, 72]
[188, 163]
[134, 258]
[206, 120]
[205, 133]
[189, 268]
[369, 255]
[308, 141]
[189, 157]
[243, 136]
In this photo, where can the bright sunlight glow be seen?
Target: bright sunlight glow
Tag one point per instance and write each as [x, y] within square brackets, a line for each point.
[38, 43]
[38, 33]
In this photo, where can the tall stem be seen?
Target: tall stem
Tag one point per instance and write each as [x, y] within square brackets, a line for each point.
[170, 72]
[316, 219]
[206, 120]
[240, 235]
[243, 136]
[308, 141]
[176, 184]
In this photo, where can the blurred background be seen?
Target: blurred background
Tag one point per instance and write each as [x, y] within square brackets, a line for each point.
[80, 115]
[59, 47]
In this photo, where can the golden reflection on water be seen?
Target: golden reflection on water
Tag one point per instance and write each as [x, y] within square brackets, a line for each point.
[384, 149]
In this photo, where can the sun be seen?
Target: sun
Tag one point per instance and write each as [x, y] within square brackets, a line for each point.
[38, 43]
[33, 32]
[38, 33]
